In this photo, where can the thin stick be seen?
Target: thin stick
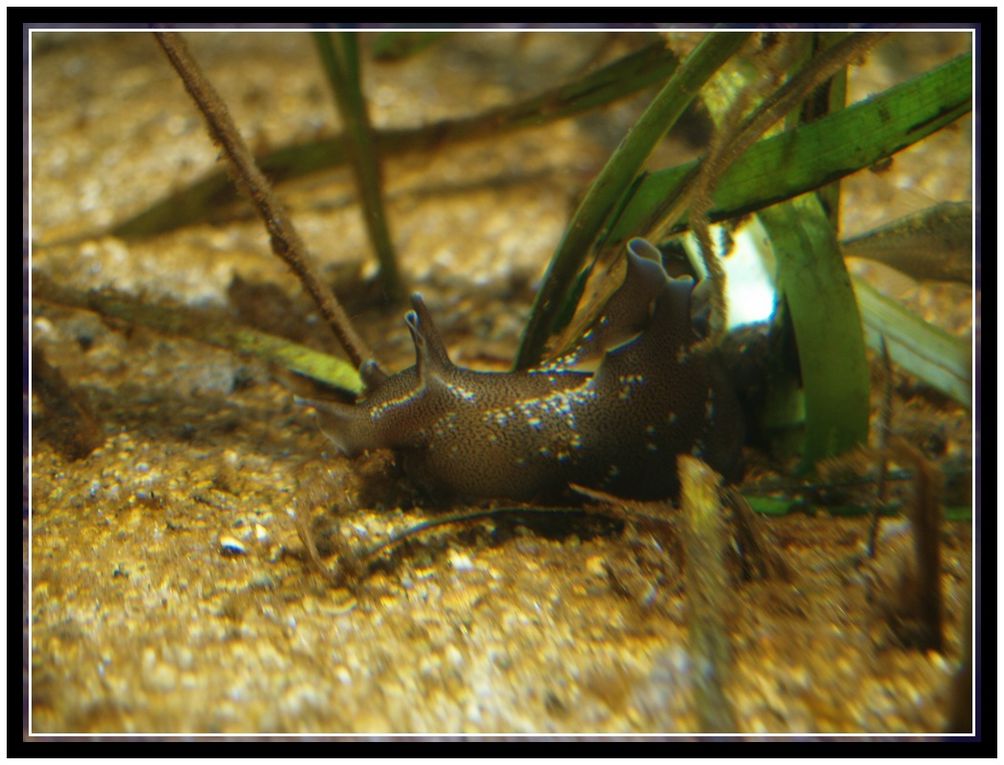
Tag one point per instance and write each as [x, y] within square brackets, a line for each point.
[609, 187]
[69, 422]
[707, 593]
[466, 516]
[285, 241]
[206, 326]
[717, 160]
[783, 100]
[757, 551]
[884, 430]
[926, 606]
[339, 53]
[618, 80]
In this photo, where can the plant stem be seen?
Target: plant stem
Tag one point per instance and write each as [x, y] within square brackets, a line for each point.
[707, 593]
[613, 82]
[614, 180]
[285, 241]
[340, 55]
[774, 107]
[926, 606]
[208, 327]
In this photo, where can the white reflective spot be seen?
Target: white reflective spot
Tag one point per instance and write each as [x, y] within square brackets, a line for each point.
[750, 288]
[464, 394]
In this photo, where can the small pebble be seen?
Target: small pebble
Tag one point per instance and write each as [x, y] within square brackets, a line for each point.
[460, 561]
[43, 326]
[594, 565]
[231, 546]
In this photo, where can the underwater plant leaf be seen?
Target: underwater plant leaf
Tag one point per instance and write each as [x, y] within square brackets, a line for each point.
[320, 367]
[339, 54]
[936, 243]
[779, 506]
[612, 184]
[206, 327]
[939, 359]
[958, 513]
[395, 46]
[817, 153]
[202, 200]
[827, 326]
[829, 97]
[771, 505]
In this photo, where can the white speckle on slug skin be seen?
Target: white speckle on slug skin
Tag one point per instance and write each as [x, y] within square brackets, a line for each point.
[462, 393]
[379, 410]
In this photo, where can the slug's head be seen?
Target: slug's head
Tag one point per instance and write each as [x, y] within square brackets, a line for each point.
[396, 409]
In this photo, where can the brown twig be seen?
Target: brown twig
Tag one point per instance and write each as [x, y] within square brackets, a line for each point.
[652, 515]
[284, 239]
[960, 709]
[317, 490]
[69, 422]
[783, 100]
[718, 159]
[705, 542]
[204, 325]
[759, 555]
[884, 429]
[822, 67]
[926, 606]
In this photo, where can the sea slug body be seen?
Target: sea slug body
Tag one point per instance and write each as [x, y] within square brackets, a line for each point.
[528, 435]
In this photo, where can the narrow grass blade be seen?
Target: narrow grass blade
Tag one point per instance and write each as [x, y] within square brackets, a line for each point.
[396, 46]
[818, 153]
[824, 313]
[780, 506]
[339, 53]
[202, 200]
[613, 182]
[936, 243]
[829, 97]
[939, 359]
[206, 327]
